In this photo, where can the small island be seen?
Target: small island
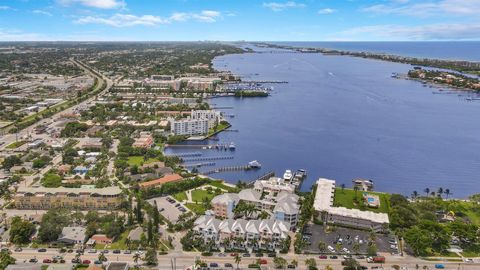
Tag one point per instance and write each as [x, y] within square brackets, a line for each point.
[247, 93]
[450, 79]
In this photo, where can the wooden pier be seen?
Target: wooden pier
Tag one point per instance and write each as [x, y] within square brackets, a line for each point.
[228, 169]
[200, 164]
[207, 158]
[180, 155]
[263, 177]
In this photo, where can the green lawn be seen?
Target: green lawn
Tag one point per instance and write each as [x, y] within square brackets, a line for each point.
[346, 198]
[196, 208]
[119, 243]
[221, 185]
[16, 144]
[181, 196]
[138, 160]
[220, 128]
[199, 194]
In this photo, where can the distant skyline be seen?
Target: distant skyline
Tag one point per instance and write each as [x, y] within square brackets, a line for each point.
[231, 20]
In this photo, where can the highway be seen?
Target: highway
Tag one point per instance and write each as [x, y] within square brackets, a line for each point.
[186, 259]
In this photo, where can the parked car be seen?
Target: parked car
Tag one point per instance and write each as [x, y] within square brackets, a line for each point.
[221, 254]
[97, 262]
[93, 251]
[439, 266]
[42, 250]
[86, 262]
[127, 252]
[213, 264]
[47, 261]
[262, 261]
[291, 266]
[258, 254]
[334, 257]
[116, 251]
[76, 260]
[229, 265]
[246, 255]
[233, 254]
[323, 257]
[18, 249]
[33, 260]
[272, 255]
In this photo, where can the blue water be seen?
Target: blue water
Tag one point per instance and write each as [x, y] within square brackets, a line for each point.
[451, 50]
[343, 117]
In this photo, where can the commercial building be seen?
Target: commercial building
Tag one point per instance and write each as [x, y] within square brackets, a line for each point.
[72, 235]
[342, 216]
[77, 198]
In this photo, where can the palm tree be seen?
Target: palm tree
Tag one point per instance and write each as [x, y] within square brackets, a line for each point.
[136, 257]
[440, 192]
[310, 263]
[238, 259]
[447, 192]
[414, 194]
[279, 262]
[322, 246]
[427, 191]
[328, 267]
[432, 193]
[343, 187]
[101, 257]
[294, 263]
[355, 188]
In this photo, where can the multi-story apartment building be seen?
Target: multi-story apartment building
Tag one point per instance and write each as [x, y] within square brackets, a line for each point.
[189, 126]
[223, 205]
[144, 141]
[211, 115]
[323, 204]
[76, 198]
[240, 233]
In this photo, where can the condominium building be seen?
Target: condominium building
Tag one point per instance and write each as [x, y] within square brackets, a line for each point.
[189, 126]
[323, 204]
[223, 205]
[145, 141]
[211, 115]
[270, 232]
[77, 198]
[273, 185]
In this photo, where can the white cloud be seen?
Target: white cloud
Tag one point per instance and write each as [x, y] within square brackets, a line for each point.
[13, 35]
[425, 9]
[5, 8]
[126, 20]
[123, 20]
[42, 12]
[207, 16]
[424, 32]
[277, 6]
[327, 11]
[103, 4]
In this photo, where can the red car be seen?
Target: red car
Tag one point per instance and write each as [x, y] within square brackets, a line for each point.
[233, 254]
[86, 262]
[47, 261]
[323, 257]
[262, 261]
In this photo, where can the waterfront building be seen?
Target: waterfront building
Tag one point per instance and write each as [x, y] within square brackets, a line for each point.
[273, 185]
[342, 216]
[189, 126]
[171, 178]
[211, 115]
[74, 198]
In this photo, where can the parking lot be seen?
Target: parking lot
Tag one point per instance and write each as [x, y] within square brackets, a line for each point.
[346, 237]
[170, 210]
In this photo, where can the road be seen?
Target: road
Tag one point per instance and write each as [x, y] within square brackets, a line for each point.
[186, 259]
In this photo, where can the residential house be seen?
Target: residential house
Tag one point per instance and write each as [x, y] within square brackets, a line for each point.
[72, 235]
[171, 178]
[224, 204]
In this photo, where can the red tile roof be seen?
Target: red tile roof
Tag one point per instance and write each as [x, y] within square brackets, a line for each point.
[160, 181]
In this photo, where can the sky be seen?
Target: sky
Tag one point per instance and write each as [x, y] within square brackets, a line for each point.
[232, 20]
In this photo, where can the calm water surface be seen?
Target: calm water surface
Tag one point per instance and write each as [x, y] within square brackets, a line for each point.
[344, 118]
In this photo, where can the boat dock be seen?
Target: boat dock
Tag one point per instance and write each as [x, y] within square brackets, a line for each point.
[180, 155]
[207, 158]
[263, 177]
[200, 164]
[228, 169]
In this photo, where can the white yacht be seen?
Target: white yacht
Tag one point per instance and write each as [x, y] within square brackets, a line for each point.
[287, 176]
[254, 164]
